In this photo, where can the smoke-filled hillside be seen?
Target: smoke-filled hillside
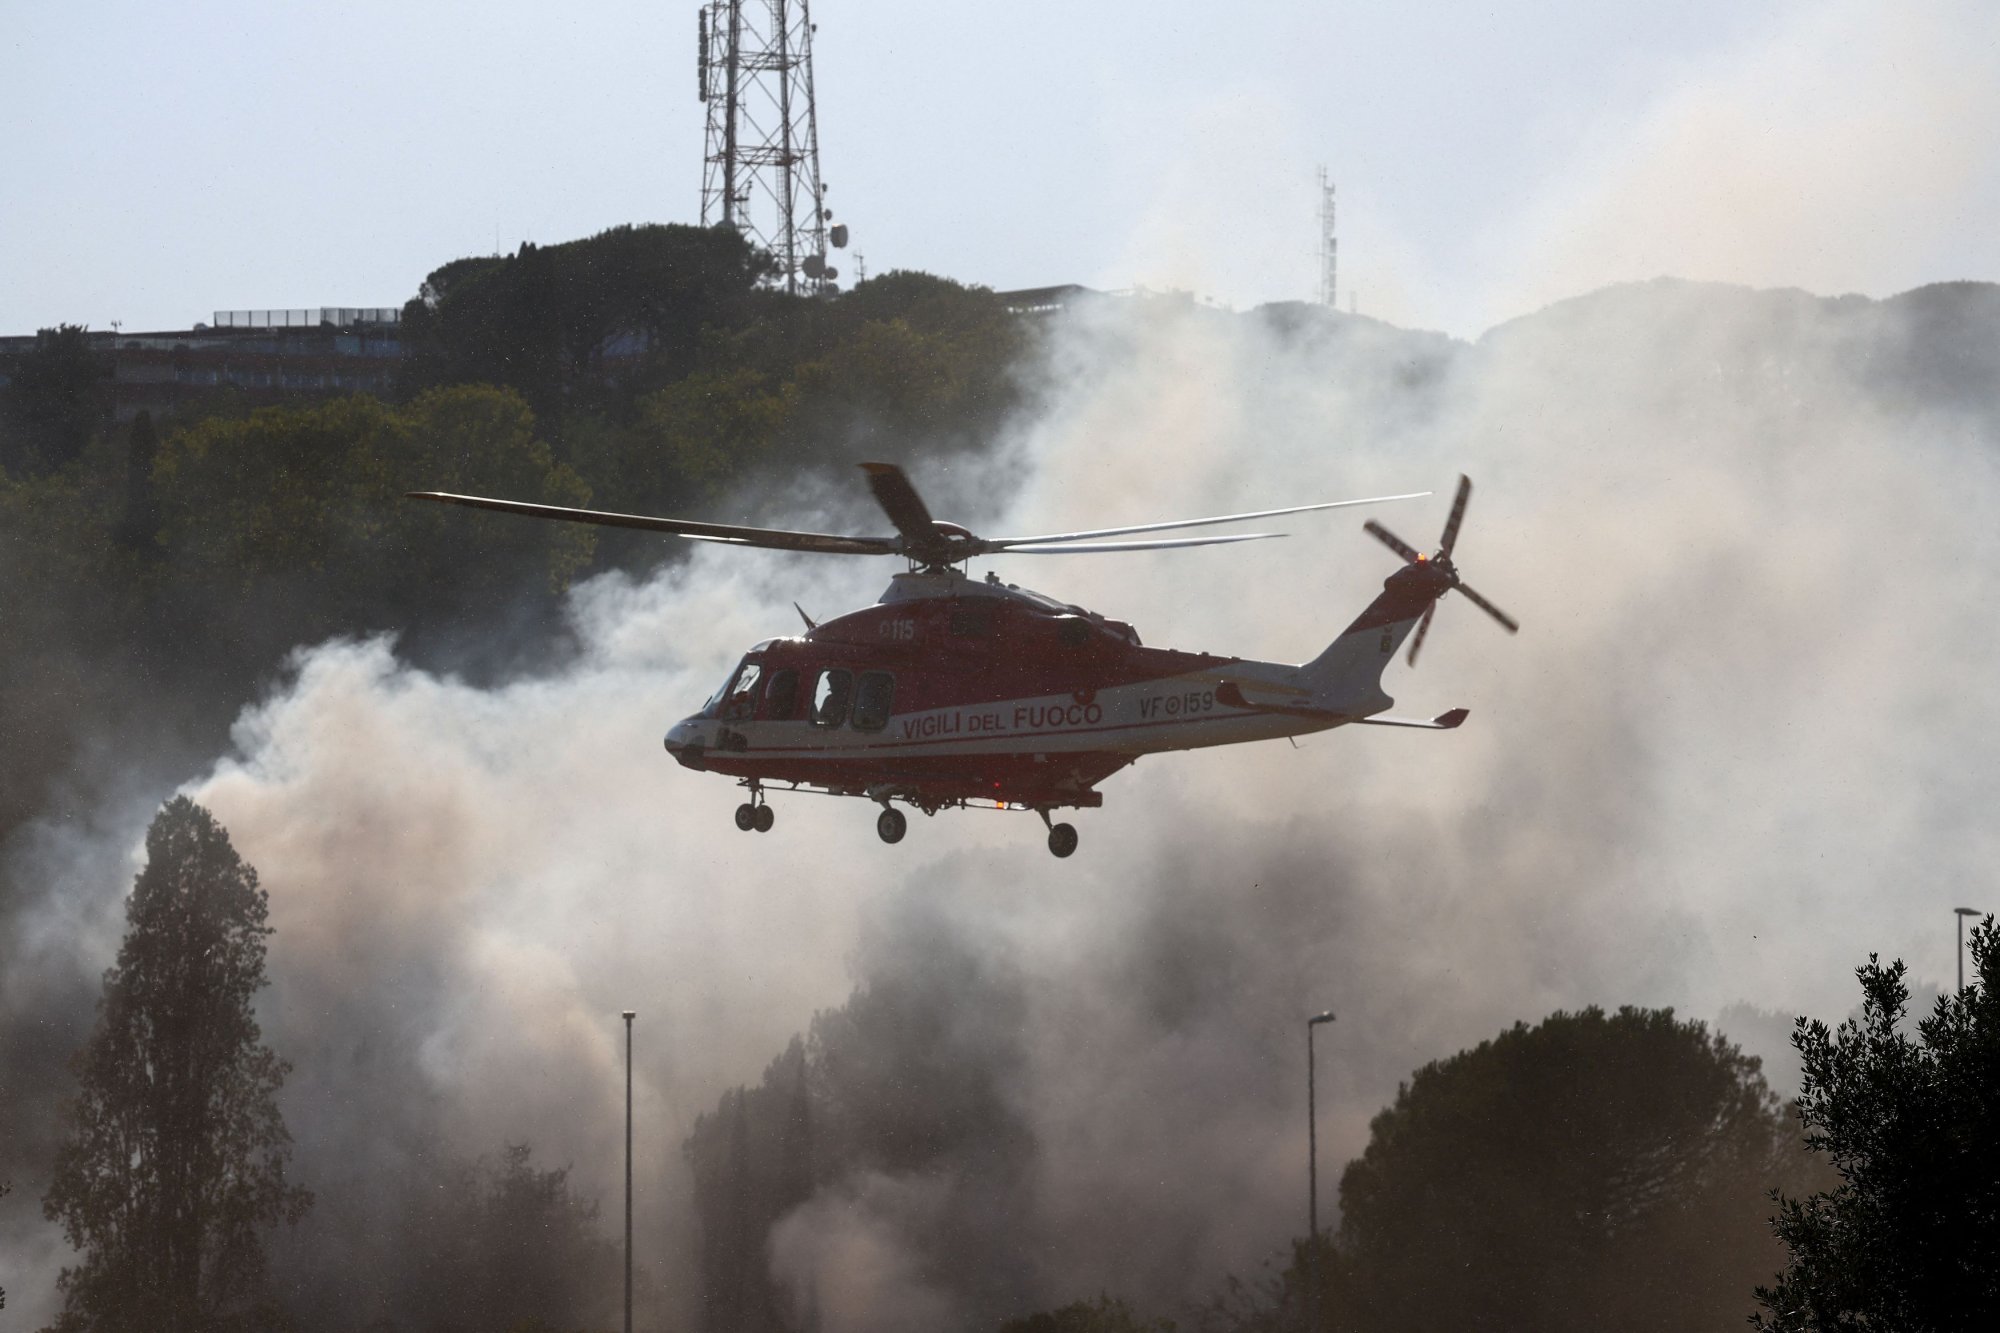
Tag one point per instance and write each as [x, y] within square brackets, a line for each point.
[1737, 745]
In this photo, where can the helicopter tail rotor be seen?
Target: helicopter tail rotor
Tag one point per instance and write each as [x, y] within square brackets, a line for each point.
[1441, 568]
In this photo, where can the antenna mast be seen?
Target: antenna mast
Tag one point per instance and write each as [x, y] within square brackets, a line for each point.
[1329, 246]
[760, 170]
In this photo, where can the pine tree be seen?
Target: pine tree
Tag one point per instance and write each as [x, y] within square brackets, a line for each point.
[174, 1153]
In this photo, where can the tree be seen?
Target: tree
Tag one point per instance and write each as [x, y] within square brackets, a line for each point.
[174, 1152]
[1910, 1237]
[541, 321]
[499, 1244]
[53, 402]
[1106, 1314]
[1595, 1171]
[139, 525]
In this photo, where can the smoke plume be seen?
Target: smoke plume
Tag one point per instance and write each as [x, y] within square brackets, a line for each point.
[1749, 536]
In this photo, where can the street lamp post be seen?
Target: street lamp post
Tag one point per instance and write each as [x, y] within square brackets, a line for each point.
[1963, 912]
[629, 1015]
[1312, 1176]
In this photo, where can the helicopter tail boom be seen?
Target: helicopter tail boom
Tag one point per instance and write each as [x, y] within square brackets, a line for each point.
[1347, 677]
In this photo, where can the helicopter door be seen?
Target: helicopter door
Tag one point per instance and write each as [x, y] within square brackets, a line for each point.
[781, 695]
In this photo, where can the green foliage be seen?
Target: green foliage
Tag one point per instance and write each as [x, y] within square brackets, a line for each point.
[55, 399]
[1106, 1314]
[1910, 1237]
[706, 429]
[174, 1153]
[544, 319]
[139, 526]
[311, 500]
[1595, 1171]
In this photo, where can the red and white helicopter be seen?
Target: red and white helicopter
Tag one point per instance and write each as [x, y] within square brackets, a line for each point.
[955, 691]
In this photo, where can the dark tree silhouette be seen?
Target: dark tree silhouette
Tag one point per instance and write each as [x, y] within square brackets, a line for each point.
[174, 1152]
[1596, 1171]
[139, 526]
[1106, 1314]
[1910, 1237]
[53, 401]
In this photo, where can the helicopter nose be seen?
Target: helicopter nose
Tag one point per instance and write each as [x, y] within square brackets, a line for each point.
[685, 744]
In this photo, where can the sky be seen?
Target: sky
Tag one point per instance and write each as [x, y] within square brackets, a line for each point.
[163, 162]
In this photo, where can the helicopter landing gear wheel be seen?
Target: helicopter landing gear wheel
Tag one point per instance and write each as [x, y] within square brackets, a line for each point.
[764, 818]
[890, 825]
[1062, 839]
[746, 816]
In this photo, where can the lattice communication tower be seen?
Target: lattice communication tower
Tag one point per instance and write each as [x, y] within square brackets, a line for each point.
[760, 173]
[1329, 245]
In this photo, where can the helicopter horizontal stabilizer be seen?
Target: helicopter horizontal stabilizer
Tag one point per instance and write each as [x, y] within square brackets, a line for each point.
[1442, 722]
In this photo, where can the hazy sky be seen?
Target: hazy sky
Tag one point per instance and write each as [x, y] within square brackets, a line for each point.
[163, 161]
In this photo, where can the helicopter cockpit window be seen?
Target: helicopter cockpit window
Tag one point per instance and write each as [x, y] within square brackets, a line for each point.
[739, 701]
[872, 700]
[781, 695]
[830, 695]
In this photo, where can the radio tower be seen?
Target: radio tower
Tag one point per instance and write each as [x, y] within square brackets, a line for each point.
[1329, 245]
[760, 173]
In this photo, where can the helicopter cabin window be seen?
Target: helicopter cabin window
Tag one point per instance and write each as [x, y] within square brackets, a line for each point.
[831, 693]
[872, 700]
[739, 699]
[781, 695]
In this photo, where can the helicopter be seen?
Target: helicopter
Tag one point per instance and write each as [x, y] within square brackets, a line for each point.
[956, 692]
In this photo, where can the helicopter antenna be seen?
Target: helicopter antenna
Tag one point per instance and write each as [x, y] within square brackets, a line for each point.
[810, 625]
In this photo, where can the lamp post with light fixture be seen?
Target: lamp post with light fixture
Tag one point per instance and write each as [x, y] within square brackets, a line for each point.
[1312, 1176]
[628, 1015]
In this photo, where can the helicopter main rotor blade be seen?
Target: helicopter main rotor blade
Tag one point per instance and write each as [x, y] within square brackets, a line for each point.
[1084, 548]
[1423, 628]
[900, 501]
[1511, 625]
[1457, 516]
[1390, 540]
[776, 539]
[1009, 543]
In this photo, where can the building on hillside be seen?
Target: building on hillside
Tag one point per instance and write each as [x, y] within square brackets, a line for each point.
[1044, 300]
[265, 355]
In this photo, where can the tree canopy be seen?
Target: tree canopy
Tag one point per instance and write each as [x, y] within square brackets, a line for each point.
[1909, 1238]
[1105, 1314]
[175, 1153]
[55, 398]
[548, 318]
[1593, 1171]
